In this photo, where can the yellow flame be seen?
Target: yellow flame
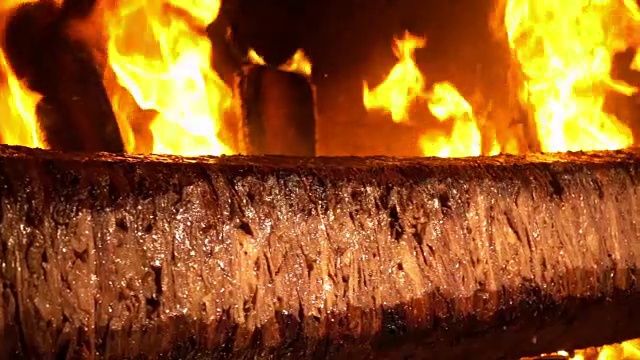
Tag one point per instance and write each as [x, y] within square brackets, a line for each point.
[565, 50]
[628, 350]
[298, 63]
[446, 104]
[631, 349]
[405, 85]
[159, 52]
[254, 58]
[17, 102]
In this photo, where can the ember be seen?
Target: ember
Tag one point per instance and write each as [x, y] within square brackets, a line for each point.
[154, 64]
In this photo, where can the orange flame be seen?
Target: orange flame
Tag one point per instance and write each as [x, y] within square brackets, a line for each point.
[565, 50]
[628, 350]
[159, 53]
[405, 85]
[17, 102]
[254, 58]
[446, 104]
[298, 63]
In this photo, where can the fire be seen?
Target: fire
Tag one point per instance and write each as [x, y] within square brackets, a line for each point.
[405, 86]
[446, 104]
[627, 350]
[159, 62]
[254, 58]
[17, 102]
[161, 56]
[298, 63]
[565, 50]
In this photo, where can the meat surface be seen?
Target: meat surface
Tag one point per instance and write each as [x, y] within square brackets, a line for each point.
[106, 256]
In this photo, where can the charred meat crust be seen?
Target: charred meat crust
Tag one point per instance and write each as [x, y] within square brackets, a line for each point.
[107, 256]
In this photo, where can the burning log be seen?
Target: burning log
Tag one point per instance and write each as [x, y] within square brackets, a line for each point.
[240, 257]
[279, 112]
[75, 112]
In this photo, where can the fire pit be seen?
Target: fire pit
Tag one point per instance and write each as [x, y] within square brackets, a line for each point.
[496, 235]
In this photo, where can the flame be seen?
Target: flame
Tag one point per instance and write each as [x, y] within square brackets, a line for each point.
[254, 58]
[629, 350]
[298, 63]
[405, 86]
[17, 102]
[446, 104]
[160, 61]
[565, 50]
[161, 56]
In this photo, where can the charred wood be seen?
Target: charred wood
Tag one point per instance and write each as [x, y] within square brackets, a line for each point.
[107, 256]
[278, 108]
[74, 113]
[275, 29]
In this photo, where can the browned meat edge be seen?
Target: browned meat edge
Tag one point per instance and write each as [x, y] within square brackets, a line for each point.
[258, 257]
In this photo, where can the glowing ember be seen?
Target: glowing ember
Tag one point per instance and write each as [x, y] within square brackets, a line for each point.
[298, 63]
[565, 50]
[160, 54]
[17, 102]
[254, 58]
[628, 350]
